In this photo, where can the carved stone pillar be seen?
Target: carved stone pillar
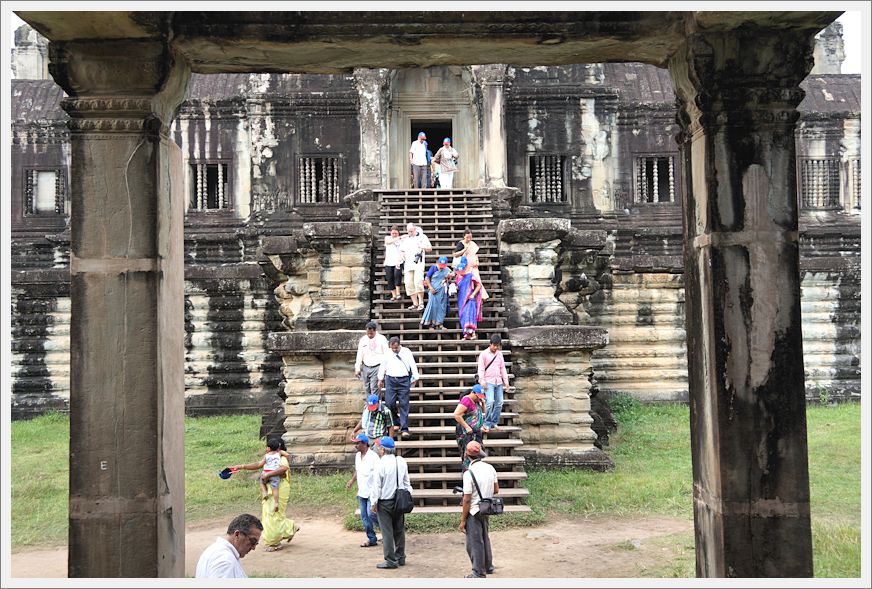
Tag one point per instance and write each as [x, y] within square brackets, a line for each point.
[126, 509]
[738, 94]
[373, 105]
[493, 122]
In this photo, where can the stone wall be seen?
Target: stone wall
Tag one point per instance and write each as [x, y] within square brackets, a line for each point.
[552, 382]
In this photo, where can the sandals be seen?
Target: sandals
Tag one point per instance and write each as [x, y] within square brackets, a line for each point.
[273, 548]
[368, 544]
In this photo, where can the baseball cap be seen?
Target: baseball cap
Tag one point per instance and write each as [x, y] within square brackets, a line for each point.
[442, 260]
[226, 473]
[372, 402]
[361, 438]
[386, 442]
[474, 449]
[422, 134]
[478, 390]
[462, 263]
[446, 140]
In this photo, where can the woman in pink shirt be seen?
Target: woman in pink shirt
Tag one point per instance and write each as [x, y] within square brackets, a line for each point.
[494, 377]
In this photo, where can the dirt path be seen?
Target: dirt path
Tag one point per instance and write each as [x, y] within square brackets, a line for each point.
[567, 548]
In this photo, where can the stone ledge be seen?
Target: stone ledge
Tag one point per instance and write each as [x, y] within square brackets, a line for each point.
[314, 342]
[593, 459]
[559, 337]
[533, 230]
[340, 230]
[223, 271]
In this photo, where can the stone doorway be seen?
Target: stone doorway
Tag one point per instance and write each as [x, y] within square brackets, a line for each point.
[438, 101]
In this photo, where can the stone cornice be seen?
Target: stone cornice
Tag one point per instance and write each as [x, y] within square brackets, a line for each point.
[313, 342]
[558, 337]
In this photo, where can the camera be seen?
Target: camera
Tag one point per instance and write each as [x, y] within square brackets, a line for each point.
[457, 490]
[418, 257]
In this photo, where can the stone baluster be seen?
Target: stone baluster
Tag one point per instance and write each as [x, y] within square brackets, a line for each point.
[738, 95]
[126, 506]
[372, 87]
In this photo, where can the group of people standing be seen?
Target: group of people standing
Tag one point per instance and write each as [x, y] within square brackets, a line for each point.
[379, 471]
[404, 259]
[429, 170]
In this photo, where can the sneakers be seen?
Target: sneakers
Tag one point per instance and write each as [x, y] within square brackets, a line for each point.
[405, 435]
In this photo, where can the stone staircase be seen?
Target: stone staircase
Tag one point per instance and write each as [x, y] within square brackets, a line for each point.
[446, 362]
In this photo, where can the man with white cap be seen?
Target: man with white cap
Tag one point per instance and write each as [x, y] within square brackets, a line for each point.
[473, 523]
[366, 463]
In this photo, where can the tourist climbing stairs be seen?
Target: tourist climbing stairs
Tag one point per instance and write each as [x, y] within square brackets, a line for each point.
[446, 362]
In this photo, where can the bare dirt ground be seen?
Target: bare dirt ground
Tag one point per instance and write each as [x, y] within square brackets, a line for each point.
[565, 548]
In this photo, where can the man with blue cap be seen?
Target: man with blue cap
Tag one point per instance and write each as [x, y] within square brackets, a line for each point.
[418, 160]
[446, 159]
[377, 420]
[366, 464]
[392, 474]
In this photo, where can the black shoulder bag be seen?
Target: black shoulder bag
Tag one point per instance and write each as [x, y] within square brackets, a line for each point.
[487, 505]
[403, 502]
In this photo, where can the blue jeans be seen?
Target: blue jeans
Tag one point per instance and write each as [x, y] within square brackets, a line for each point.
[366, 518]
[493, 397]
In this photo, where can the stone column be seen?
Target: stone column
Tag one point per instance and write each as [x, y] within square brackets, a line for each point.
[493, 124]
[126, 510]
[373, 105]
[738, 94]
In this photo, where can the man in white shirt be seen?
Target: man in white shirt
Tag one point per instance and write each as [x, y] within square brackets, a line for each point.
[220, 560]
[414, 245]
[473, 523]
[397, 373]
[366, 463]
[418, 159]
[370, 351]
[392, 473]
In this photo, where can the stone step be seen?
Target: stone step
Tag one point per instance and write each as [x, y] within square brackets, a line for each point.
[444, 415]
[454, 461]
[507, 493]
[431, 444]
[442, 353]
[390, 313]
[445, 430]
[416, 477]
[443, 509]
[471, 365]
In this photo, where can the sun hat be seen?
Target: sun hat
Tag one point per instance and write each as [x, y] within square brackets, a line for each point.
[386, 442]
[226, 473]
[372, 402]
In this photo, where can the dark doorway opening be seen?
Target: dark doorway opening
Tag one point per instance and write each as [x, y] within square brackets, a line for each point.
[436, 130]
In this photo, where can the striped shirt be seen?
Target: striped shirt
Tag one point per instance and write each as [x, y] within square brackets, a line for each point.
[377, 423]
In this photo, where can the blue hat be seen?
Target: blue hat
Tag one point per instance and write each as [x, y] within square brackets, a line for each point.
[477, 389]
[372, 402]
[386, 442]
[442, 260]
[422, 134]
[226, 473]
[362, 438]
[462, 263]
[446, 140]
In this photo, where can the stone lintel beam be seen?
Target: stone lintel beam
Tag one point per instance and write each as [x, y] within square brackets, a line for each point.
[738, 94]
[559, 337]
[536, 230]
[313, 342]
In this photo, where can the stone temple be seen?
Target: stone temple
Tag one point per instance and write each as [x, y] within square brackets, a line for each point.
[592, 187]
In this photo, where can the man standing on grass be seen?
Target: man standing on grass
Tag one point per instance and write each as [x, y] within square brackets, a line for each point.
[392, 474]
[366, 463]
[220, 560]
[473, 523]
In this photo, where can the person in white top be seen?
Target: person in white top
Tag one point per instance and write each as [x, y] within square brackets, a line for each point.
[413, 246]
[366, 463]
[397, 373]
[371, 350]
[220, 560]
[393, 263]
[418, 160]
[392, 473]
[473, 523]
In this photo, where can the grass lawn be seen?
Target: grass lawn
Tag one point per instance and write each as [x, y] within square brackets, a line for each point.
[651, 451]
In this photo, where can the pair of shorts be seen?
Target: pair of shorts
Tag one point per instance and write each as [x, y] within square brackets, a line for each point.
[394, 276]
[413, 277]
